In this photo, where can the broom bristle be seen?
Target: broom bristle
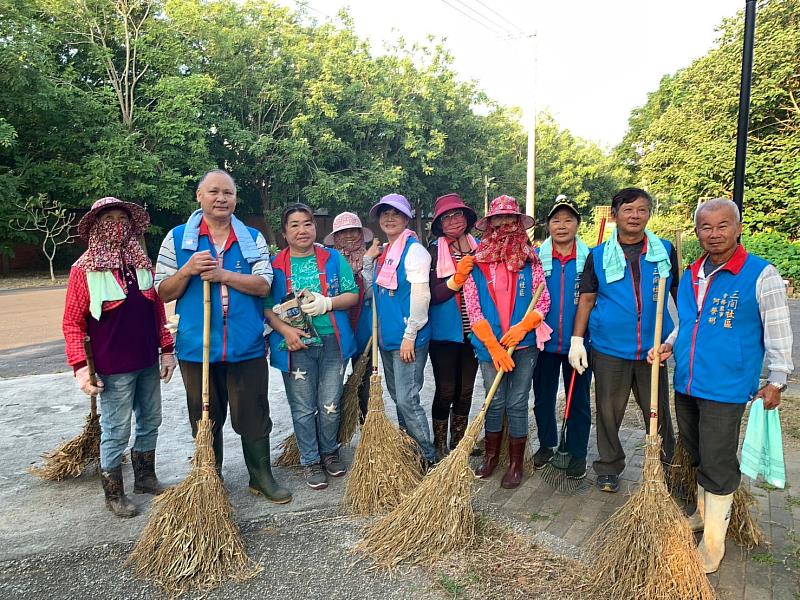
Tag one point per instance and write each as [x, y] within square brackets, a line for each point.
[350, 411]
[73, 456]
[647, 549]
[191, 540]
[743, 527]
[435, 519]
[290, 454]
[386, 466]
[683, 475]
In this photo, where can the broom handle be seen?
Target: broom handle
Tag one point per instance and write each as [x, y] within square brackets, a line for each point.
[87, 349]
[662, 287]
[568, 404]
[497, 378]
[374, 334]
[679, 251]
[206, 345]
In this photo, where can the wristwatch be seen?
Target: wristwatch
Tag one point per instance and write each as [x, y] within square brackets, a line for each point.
[781, 387]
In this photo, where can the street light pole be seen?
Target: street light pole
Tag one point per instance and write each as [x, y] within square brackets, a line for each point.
[530, 180]
[744, 103]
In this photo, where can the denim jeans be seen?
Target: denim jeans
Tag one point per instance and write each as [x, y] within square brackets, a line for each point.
[314, 389]
[512, 394]
[138, 392]
[404, 381]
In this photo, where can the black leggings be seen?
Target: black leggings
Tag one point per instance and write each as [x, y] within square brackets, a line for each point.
[454, 370]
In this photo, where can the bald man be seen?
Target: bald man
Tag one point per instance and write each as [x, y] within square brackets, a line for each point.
[732, 312]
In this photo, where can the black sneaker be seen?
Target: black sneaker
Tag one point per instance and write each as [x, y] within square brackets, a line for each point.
[333, 465]
[608, 483]
[576, 468]
[542, 457]
[316, 478]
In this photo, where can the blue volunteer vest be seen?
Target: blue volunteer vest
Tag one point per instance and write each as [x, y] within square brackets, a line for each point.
[617, 326]
[394, 307]
[445, 317]
[563, 284]
[720, 348]
[236, 337]
[522, 298]
[328, 261]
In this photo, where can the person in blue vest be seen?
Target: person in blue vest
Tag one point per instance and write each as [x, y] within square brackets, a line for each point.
[618, 293]
[452, 357]
[402, 297]
[732, 312]
[312, 366]
[501, 286]
[563, 255]
[217, 247]
[349, 238]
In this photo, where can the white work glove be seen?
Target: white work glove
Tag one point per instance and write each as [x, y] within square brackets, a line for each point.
[577, 355]
[168, 364]
[82, 375]
[172, 324]
[319, 305]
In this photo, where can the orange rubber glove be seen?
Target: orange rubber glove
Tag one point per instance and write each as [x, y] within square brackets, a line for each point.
[517, 332]
[463, 269]
[502, 361]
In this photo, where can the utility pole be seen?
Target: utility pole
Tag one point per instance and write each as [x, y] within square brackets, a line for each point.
[486, 181]
[744, 103]
[530, 183]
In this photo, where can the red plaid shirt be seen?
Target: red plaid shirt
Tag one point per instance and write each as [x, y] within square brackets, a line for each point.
[76, 316]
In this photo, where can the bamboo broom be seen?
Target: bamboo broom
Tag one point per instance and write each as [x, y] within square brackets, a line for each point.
[191, 540]
[646, 550]
[386, 466]
[73, 457]
[290, 452]
[437, 518]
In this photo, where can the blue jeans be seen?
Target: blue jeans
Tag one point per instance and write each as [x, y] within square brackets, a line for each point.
[404, 381]
[314, 389]
[138, 392]
[512, 394]
[549, 367]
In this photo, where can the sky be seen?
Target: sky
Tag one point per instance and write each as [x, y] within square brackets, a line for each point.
[595, 61]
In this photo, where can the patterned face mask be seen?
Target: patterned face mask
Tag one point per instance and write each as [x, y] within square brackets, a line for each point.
[113, 245]
[507, 244]
[353, 250]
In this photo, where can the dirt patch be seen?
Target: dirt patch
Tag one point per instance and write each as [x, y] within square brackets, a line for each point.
[19, 281]
[790, 421]
[504, 564]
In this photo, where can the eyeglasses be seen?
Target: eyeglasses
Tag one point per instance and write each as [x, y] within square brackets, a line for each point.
[458, 214]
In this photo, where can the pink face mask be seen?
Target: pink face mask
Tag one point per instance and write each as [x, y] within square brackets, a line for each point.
[454, 228]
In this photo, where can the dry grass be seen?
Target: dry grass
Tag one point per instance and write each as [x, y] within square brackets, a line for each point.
[191, 540]
[790, 421]
[683, 476]
[386, 466]
[435, 519]
[74, 456]
[501, 564]
[646, 550]
[290, 452]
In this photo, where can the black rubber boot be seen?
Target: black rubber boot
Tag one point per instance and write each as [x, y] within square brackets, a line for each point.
[144, 473]
[218, 453]
[440, 439]
[256, 457]
[116, 500]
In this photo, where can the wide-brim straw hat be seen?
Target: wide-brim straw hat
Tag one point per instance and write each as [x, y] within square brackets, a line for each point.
[348, 220]
[396, 201]
[505, 205]
[140, 220]
[447, 203]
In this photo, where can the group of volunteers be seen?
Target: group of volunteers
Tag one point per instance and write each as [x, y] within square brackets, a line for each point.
[464, 301]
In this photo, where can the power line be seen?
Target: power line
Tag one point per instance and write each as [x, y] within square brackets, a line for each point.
[471, 18]
[493, 11]
[494, 23]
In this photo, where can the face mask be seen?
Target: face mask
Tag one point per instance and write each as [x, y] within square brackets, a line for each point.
[454, 228]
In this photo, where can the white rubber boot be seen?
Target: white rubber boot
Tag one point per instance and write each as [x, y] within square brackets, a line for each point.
[696, 520]
[717, 515]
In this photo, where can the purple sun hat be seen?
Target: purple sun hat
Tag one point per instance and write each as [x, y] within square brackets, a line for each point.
[396, 201]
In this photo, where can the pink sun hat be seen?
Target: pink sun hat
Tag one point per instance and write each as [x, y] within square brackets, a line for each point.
[139, 217]
[348, 220]
[505, 205]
